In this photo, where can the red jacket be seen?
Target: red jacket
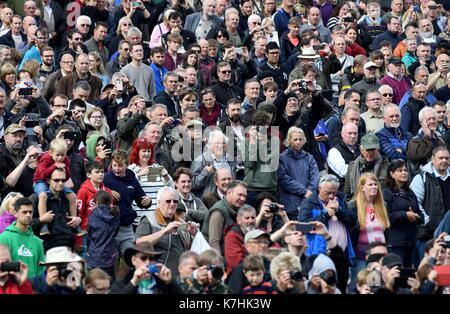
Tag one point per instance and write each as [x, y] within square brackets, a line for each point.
[234, 247]
[46, 166]
[14, 288]
[85, 200]
[355, 49]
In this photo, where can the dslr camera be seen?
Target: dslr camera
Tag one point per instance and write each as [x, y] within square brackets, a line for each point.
[216, 271]
[296, 275]
[274, 208]
[10, 266]
[63, 272]
[303, 85]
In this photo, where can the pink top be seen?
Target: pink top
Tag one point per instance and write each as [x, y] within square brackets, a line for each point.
[372, 232]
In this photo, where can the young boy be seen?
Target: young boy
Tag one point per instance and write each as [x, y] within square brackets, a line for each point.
[85, 197]
[56, 157]
[254, 272]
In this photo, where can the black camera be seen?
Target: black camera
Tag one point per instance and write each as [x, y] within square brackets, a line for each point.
[26, 91]
[72, 135]
[296, 275]
[31, 123]
[10, 266]
[329, 277]
[303, 85]
[216, 271]
[68, 113]
[274, 208]
[63, 272]
[348, 19]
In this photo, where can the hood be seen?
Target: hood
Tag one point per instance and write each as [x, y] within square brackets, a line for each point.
[91, 143]
[321, 263]
[104, 213]
[429, 168]
[88, 185]
[12, 228]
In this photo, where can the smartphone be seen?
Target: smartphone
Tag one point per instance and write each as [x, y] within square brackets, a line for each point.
[443, 275]
[405, 273]
[119, 85]
[71, 135]
[304, 227]
[176, 122]
[447, 240]
[182, 227]
[31, 123]
[135, 4]
[238, 50]
[108, 145]
[348, 19]
[26, 91]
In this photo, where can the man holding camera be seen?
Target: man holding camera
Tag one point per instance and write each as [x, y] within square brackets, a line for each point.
[19, 237]
[13, 275]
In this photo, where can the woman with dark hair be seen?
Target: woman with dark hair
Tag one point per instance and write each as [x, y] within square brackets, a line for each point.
[222, 37]
[149, 173]
[339, 12]
[353, 48]
[271, 215]
[378, 58]
[190, 58]
[210, 109]
[403, 212]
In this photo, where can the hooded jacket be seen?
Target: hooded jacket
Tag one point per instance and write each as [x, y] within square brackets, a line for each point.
[24, 246]
[91, 144]
[102, 229]
[85, 200]
[6, 219]
[130, 190]
[321, 264]
[46, 166]
[297, 173]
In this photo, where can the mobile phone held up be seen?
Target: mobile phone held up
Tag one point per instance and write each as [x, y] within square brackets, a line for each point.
[304, 228]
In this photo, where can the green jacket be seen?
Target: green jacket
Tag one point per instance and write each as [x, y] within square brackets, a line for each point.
[261, 166]
[25, 247]
[91, 144]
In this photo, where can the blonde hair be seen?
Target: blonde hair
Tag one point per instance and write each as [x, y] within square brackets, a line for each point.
[283, 261]
[9, 200]
[121, 21]
[291, 131]
[378, 203]
[104, 127]
[32, 67]
[58, 145]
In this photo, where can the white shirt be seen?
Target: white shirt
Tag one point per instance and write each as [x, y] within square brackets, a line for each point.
[337, 163]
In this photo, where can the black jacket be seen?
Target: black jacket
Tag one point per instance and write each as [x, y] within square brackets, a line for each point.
[126, 287]
[9, 41]
[402, 232]
[225, 92]
[165, 99]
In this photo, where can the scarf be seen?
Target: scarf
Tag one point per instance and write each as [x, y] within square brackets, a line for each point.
[210, 118]
[360, 167]
[370, 22]
[161, 220]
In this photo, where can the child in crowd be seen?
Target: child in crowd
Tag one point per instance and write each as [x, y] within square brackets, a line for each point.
[85, 197]
[254, 272]
[103, 226]
[56, 157]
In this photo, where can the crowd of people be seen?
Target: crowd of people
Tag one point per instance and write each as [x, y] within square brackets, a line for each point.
[224, 146]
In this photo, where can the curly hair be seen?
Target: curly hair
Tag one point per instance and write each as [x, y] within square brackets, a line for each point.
[138, 145]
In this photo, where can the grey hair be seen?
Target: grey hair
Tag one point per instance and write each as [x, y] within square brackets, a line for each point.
[83, 17]
[118, 75]
[245, 209]
[133, 30]
[419, 68]
[215, 133]
[329, 178]
[156, 106]
[230, 11]
[425, 110]
[164, 190]
[391, 106]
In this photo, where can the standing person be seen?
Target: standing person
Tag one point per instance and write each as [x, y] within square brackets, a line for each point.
[125, 189]
[140, 75]
[298, 174]
[151, 175]
[102, 227]
[372, 218]
[403, 211]
[23, 244]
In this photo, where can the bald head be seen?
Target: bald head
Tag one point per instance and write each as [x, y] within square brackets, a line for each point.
[349, 134]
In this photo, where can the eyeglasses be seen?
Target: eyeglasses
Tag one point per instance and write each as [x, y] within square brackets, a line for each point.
[59, 180]
[387, 95]
[96, 117]
[172, 201]
[329, 178]
[126, 49]
[145, 258]
[84, 25]
[220, 36]
[432, 7]
[225, 71]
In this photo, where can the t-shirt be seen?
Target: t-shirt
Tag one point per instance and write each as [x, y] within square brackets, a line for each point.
[142, 78]
[372, 232]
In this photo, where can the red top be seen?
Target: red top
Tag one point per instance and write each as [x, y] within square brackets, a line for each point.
[46, 166]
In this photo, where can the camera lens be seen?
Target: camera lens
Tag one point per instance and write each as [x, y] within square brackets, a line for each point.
[217, 272]
[296, 275]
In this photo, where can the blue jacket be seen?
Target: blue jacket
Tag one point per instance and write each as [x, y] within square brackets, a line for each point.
[130, 190]
[429, 99]
[297, 173]
[159, 74]
[313, 210]
[392, 139]
[102, 229]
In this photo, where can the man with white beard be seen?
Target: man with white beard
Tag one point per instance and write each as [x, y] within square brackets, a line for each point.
[426, 32]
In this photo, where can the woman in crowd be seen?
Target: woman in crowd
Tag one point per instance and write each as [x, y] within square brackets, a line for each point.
[339, 12]
[271, 215]
[210, 109]
[96, 121]
[124, 25]
[149, 173]
[372, 218]
[8, 78]
[187, 98]
[96, 148]
[298, 174]
[283, 269]
[404, 212]
[353, 48]
[97, 68]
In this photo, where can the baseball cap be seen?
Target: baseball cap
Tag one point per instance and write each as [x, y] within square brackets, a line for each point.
[255, 233]
[391, 260]
[395, 60]
[13, 128]
[370, 64]
[193, 122]
[370, 141]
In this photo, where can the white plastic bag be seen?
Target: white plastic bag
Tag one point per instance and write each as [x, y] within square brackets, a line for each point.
[199, 244]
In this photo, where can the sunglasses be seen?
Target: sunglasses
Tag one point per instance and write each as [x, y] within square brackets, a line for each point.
[387, 95]
[432, 7]
[85, 25]
[59, 180]
[220, 36]
[172, 201]
[145, 258]
[225, 71]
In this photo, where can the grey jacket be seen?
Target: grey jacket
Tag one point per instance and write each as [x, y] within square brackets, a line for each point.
[193, 19]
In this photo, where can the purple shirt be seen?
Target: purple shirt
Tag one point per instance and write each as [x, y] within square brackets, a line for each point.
[325, 10]
[5, 220]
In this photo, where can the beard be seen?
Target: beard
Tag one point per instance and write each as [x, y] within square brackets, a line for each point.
[235, 118]
[426, 34]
